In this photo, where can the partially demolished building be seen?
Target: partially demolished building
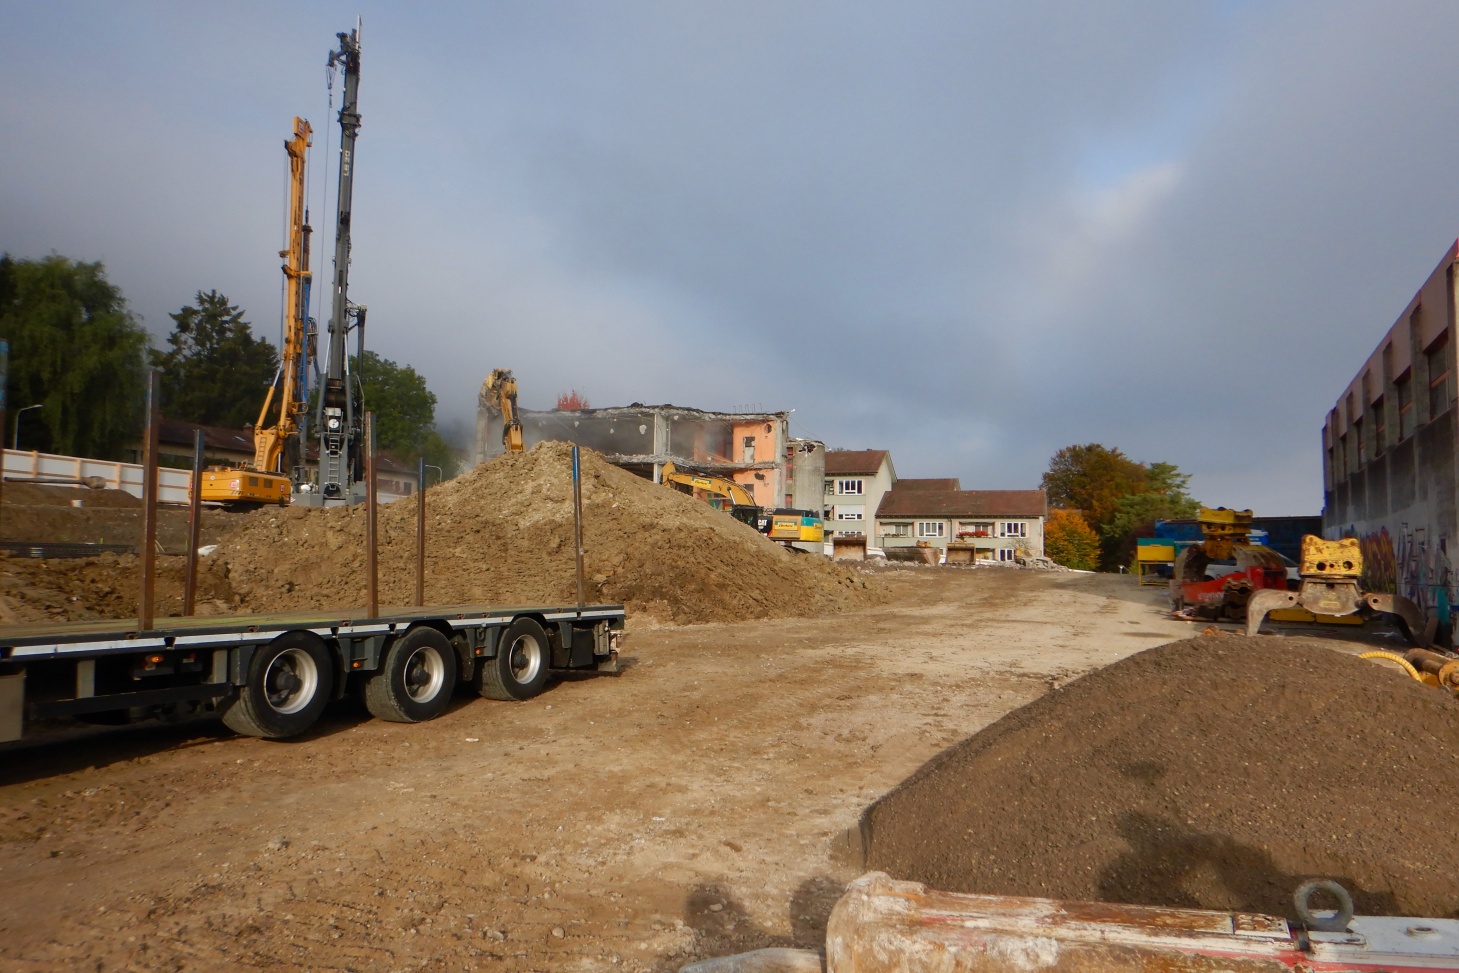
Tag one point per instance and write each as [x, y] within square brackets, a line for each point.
[753, 449]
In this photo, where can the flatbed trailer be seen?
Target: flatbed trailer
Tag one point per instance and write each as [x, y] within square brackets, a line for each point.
[273, 675]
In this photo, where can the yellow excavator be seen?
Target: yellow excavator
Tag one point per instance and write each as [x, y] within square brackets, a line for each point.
[742, 503]
[266, 480]
[498, 397]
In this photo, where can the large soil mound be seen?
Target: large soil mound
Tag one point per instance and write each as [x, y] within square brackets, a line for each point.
[1217, 773]
[503, 535]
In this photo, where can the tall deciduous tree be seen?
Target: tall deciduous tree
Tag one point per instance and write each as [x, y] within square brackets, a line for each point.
[76, 351]
[216, 372]
[1118, 497]
[405, 412]
[1069, 541]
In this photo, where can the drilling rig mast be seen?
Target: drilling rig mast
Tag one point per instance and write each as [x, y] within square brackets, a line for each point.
[340, 416]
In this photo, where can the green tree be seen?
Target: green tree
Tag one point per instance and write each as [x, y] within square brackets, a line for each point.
[405, 412]
[77, 351]
[1069, 541]
[216, 372]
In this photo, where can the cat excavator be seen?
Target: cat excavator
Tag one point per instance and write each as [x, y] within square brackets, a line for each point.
[277, 457]
[498, 397]
[742, 505]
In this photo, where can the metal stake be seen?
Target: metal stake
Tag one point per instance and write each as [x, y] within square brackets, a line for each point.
[146, 606]
[577, 523]
[194, 526]
[420, 534]
[4, 369]
[372, 578]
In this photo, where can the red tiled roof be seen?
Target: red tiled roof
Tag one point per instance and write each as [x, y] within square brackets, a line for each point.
[962, 503]
[945, 484]
[840, 461]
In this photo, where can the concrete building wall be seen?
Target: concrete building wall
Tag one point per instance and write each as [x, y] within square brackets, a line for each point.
[990, 535]
[842, 504]
[1389, 453]
[807, 474]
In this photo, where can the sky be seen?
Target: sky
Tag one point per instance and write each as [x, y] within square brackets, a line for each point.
[968, 233]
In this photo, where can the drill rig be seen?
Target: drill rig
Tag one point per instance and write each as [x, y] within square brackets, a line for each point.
[340, 416]
[277, 458]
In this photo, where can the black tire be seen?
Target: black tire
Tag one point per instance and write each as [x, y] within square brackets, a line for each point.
[519, 670]
[415, 679]
[289, 684]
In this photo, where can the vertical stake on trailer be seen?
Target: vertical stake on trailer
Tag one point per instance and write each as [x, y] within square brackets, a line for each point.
[420, 534]
[4, 367]
[146, 606]
[577, 522]
[372, 578]
[194, 526]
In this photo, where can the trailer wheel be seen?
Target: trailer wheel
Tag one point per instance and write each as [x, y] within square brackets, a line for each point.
[415, 679]
[289, 682]
[519, 670]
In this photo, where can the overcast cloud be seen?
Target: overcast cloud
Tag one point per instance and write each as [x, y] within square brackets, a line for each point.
[968, 233]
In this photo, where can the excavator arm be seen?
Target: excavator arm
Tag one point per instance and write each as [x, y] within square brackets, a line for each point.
[716, 486]
[499, 397]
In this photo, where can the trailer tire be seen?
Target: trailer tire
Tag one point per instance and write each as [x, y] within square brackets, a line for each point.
[287, 687]
[415, 679]
[519, 669]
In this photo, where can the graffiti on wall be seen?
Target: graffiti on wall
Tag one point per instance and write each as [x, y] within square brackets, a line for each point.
[1412, 565]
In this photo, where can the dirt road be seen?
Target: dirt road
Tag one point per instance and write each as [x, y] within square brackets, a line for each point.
[688, 807]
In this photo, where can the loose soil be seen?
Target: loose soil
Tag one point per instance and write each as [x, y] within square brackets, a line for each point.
[688, 807]
[1217, 773]
[34, 512]
[503, 535]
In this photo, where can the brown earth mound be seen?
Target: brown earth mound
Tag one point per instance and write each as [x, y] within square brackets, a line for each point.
[37, 512]
[503, 535]
[106, 586]
[1215, 773]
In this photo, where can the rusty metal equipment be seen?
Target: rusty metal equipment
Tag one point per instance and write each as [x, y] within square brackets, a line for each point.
[1227, 537]
[885, 926]
[1426, 666]
[1330, 571]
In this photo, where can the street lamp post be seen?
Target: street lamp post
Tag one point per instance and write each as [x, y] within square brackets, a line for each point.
[15, 441]
[440, 474]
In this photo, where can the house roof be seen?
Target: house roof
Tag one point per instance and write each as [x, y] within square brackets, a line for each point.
[962, 503]
[840, 461]
[950, 483]
[176, 432]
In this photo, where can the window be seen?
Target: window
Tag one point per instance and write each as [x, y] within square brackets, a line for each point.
[1404, 387]
[747, 449]
[850, 533]
[1342, 457]
[975, 528]
[830, 487]
[848, 488]
[1006, 554]
[931, 528]
[1380, 427]
[1436, 358]
[1358, 454]
[1013, 528]
[896, 530]
[850, 513]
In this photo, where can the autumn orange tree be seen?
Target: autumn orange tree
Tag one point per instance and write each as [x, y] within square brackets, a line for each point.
[1069, 541]
[571, 401]
[1119, 498]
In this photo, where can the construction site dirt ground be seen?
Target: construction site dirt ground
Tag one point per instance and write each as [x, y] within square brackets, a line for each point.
[696, 804]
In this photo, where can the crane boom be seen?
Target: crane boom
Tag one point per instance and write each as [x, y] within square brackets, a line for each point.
[339, 419]
[271, 441]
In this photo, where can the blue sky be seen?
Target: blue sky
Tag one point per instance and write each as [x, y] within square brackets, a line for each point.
[968, 233]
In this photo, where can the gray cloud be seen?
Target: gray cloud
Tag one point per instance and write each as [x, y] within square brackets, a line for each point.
[968, 234]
